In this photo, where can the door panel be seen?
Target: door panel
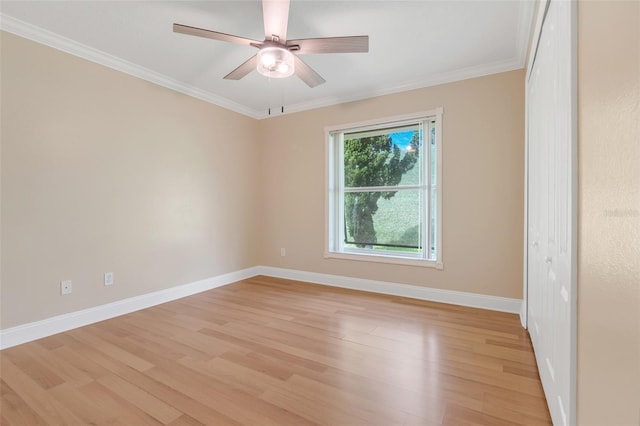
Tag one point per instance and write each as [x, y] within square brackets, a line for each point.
[550, 235]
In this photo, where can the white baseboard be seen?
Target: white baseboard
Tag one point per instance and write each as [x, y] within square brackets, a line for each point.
[523, 314]
[36, 330]
[493, 303]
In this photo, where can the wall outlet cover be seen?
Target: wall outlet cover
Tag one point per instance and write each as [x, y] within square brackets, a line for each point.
[108, 278]
[66, 287]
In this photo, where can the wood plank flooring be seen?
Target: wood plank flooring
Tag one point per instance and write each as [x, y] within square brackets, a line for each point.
[267, 351]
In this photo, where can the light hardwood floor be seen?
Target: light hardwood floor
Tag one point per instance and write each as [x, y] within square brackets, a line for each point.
[267, 351]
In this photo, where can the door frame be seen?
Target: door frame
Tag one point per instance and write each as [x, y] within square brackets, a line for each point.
[573, 290]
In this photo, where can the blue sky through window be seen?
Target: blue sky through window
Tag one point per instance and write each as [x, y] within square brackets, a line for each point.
[402, 139]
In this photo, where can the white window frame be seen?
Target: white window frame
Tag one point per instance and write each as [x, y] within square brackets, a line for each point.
[334, 192]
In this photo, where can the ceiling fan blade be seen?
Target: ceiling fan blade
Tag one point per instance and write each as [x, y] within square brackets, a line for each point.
[276, 18]
[244, 69]
[353, 44]
[307, 74]
[200, 32]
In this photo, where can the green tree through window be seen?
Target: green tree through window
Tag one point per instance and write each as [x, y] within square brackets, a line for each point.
[374, 161]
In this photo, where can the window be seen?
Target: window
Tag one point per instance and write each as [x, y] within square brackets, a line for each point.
[383, 190]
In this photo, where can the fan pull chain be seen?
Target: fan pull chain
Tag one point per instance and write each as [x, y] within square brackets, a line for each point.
[273, 94]
[282, 96]
[281, 110]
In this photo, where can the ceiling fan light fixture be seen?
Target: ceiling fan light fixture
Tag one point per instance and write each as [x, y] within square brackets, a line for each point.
[275, 62]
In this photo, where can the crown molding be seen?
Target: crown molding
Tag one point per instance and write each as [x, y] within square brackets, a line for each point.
[48, 38]
[56, 41]
[433, 80]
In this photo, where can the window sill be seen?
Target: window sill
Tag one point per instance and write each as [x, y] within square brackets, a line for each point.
[384, 259]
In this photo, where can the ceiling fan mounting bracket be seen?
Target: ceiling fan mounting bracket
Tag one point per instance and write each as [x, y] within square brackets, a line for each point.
[276, 43]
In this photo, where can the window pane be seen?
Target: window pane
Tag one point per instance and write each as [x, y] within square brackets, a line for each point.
[383, 220]
[390, 159]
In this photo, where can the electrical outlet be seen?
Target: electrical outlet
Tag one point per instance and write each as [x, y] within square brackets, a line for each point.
[65, 287]
[283, 252]
[108, 278]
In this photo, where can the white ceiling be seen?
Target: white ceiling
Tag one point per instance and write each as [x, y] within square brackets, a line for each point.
[412, 44]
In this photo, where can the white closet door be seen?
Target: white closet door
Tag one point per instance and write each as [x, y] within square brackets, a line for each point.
[551, 207]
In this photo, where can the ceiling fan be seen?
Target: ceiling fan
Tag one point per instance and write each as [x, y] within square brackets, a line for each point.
[277, 57]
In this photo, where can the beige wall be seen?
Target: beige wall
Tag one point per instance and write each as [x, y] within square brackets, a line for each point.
[105, 172]
[483, 175]
[101, 172]
[609, 213]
